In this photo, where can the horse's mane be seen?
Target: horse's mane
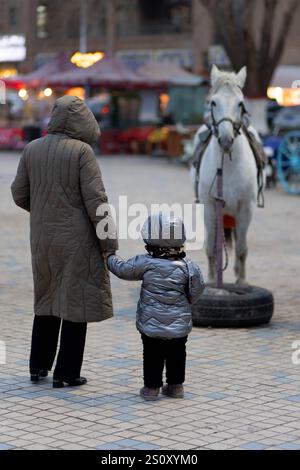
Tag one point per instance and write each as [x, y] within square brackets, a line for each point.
[226, 79]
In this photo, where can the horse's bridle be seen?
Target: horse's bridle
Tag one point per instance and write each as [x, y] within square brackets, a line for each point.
[214, 130]
[237, 126]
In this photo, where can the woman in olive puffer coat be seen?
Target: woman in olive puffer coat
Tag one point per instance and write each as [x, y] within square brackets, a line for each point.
[60, 184]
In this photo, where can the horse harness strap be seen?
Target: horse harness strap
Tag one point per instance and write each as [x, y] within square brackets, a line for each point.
[260, 159]
[204, 139]
[237, 126]
[221, 200]
[257, 150]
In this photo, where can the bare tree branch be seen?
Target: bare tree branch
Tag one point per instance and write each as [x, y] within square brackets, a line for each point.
[235, 22]
[208, 3]
[247, 29]
[270, 7]
[283, 31]
[229, 32]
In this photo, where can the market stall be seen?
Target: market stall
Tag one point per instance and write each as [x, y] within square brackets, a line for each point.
[125, 102]
[182, 106]
[11, 130]
[130, 105]
[285, 85]
[23, 116]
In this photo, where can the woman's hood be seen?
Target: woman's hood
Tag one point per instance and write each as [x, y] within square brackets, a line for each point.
[71, 116]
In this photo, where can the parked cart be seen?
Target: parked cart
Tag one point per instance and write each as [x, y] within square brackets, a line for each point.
[288, 163]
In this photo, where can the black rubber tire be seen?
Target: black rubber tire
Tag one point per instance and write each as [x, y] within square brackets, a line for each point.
[252, 307]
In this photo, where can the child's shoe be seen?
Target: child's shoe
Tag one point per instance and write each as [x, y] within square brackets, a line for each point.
[173, 391]
[149, 394]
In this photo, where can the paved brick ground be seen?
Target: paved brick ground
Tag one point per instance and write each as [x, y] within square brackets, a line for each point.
[242, 390]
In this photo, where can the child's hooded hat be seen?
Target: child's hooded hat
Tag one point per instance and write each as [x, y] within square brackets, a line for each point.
[164, 230]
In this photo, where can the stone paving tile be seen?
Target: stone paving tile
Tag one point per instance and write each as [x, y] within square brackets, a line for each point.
[242, 390]
[5, 446]
[254, 446]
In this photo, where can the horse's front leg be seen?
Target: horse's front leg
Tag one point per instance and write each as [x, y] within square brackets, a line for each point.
[243, 220]
[210, 244]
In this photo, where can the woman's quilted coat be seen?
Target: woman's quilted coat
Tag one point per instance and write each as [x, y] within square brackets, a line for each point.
[60, 184]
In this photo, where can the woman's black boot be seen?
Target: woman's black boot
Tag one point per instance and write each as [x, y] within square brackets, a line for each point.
[60, 383]
[36, 375]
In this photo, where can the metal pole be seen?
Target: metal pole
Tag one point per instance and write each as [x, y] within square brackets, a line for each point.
[83, 26]
[111, 10]
[83, 37]
[220, 229]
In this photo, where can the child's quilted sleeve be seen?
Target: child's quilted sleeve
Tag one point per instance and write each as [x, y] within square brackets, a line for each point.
[131, 270]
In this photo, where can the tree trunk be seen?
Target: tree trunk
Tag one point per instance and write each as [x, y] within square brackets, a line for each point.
[257, 108]
[235, 21]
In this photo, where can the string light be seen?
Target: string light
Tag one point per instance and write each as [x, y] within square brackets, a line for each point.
[48, 92]
[23, 94]
[85, 60]
[285, 96]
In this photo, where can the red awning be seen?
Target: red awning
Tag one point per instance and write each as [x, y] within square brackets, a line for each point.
[40, 76]
[14, 83]
[171, 73]
[108, 72]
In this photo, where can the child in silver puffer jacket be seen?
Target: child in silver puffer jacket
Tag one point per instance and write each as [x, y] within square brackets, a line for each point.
[171, 283]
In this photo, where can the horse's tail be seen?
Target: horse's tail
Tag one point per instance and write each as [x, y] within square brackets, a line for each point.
[228, 234]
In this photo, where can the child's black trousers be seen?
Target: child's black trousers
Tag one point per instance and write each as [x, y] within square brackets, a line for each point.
[164, 352]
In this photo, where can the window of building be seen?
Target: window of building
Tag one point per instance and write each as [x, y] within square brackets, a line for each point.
[165, 15]
[13, 16]
[100, 24]
[72, 27]
[42, 21]
[154, 16]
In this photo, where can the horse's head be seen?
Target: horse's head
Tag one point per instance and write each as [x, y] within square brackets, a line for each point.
[227, 105]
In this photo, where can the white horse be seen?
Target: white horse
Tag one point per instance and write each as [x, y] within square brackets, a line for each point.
[239, 167]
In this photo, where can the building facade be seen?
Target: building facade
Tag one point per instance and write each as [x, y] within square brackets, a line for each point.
[13, 17]
[136, 30]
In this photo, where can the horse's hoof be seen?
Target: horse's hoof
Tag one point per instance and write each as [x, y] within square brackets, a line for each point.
[241, 282]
